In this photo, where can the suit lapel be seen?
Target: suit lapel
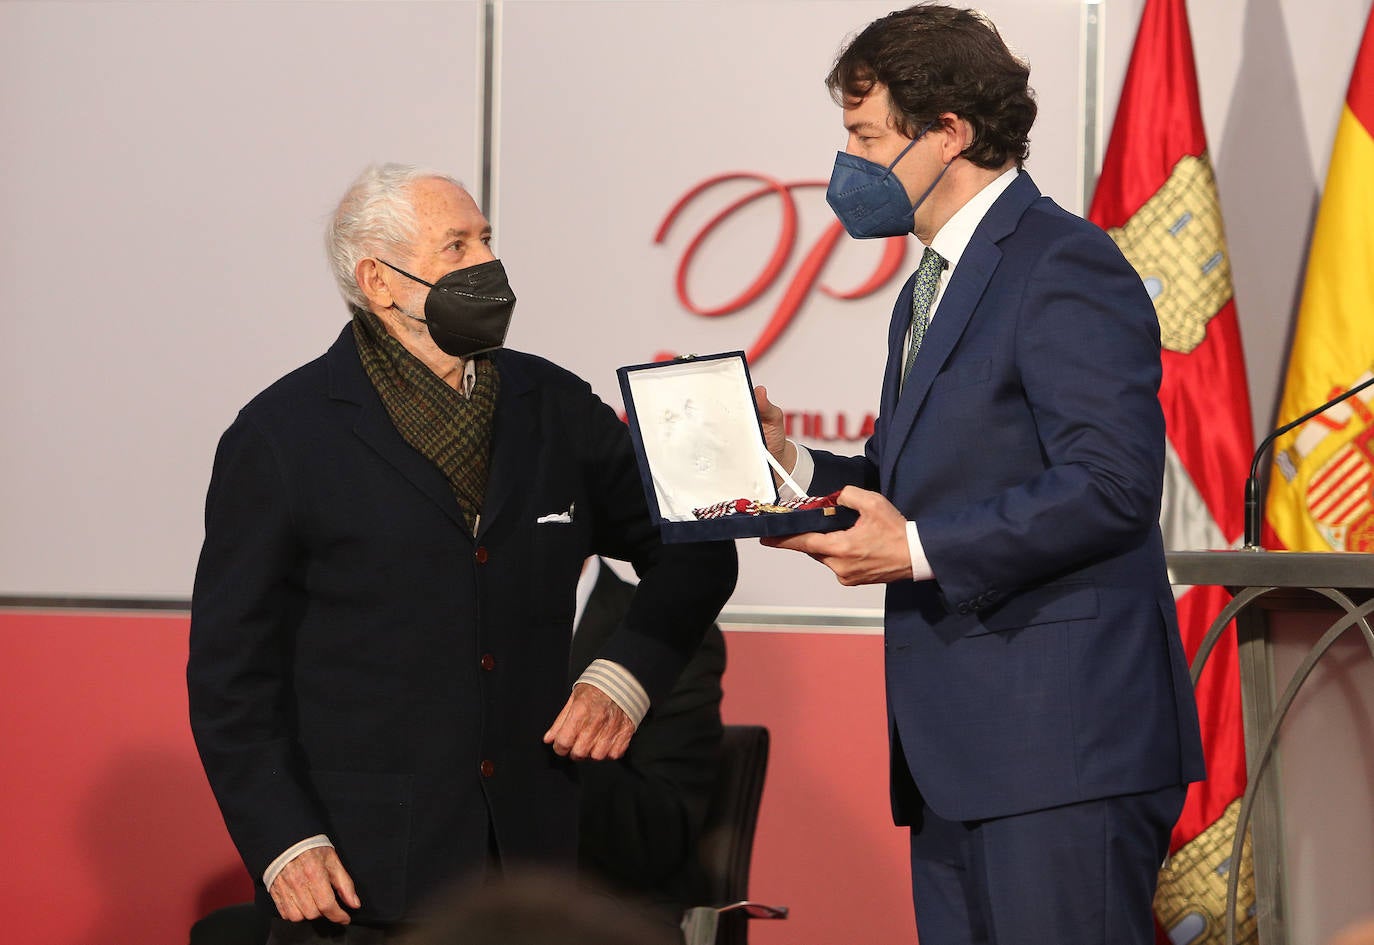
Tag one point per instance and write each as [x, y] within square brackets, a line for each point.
[896, 339]
[349, 382]
[956, 307]
[514, 433]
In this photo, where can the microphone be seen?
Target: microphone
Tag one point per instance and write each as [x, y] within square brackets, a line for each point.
[1252, 519]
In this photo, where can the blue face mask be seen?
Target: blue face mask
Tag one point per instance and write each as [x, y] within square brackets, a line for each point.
[869, 199]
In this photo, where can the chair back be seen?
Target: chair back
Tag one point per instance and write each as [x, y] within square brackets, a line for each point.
[727, 842]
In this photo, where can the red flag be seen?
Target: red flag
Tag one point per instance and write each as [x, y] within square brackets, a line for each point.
[1157, 197]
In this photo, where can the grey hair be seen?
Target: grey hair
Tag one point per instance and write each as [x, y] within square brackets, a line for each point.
[375, 216]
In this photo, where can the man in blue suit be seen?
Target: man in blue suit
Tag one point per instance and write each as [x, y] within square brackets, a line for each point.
[1042, 722]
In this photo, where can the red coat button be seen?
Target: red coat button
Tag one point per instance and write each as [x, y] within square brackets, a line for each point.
[488, 662]
[481, 554]
[487, 767]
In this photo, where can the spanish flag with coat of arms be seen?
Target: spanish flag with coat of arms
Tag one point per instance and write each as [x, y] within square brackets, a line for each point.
[1321, 486]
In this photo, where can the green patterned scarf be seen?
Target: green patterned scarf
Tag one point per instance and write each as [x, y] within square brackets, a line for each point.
[451, 431]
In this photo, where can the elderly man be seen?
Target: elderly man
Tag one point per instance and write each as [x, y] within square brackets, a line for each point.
[1042, 721]
[383, 605]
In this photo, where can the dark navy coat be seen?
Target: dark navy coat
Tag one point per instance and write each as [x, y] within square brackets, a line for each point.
[364, 667]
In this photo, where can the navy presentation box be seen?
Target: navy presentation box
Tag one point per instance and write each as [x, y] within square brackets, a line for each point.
[699, 441]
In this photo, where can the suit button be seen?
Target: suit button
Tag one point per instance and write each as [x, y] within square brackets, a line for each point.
[963, 608]
[487, 662]
[481, 554]
[487, 767]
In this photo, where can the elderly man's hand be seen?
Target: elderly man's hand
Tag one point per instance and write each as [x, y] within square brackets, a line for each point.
[591, 725]
[873, 550]
[775, 431]
[306, 887]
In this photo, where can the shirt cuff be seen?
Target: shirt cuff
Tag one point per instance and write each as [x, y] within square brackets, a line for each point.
[617, 682]
[920, 566]
[269, 875]
[802, 472]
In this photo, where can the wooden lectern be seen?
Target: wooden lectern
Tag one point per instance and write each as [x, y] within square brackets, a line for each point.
[1294, 608]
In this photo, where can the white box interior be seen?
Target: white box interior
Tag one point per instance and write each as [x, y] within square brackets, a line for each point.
[701, 435]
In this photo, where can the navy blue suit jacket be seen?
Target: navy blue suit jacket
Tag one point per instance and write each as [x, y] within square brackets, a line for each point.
[1043, 665]
[356, 653]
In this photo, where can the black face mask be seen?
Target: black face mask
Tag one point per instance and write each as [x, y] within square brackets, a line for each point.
[468, 310]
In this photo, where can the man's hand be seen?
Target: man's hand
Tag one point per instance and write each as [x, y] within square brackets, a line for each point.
[591, 725]
[305, 887]
[873, 550]
[775, 431]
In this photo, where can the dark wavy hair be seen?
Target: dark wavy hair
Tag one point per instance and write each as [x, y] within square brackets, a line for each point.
[935, 59]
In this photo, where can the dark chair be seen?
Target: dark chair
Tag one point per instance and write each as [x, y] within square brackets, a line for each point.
[727, 843]
[239, 924]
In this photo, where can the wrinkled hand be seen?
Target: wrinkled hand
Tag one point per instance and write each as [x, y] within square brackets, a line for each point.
[873, 550]
[306, 887]
[591, 725]
[775, 431]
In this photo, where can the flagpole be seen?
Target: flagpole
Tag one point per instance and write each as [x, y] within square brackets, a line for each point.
[1091, 144]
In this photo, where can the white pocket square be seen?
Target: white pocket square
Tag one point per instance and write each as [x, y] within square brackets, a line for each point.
[556, 518]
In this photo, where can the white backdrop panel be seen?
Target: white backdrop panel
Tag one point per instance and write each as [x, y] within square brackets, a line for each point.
[610, 112]
[169, 168]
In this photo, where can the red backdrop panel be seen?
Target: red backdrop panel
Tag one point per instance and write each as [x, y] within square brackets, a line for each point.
[826, 846]
[109, 828]
[111, 833]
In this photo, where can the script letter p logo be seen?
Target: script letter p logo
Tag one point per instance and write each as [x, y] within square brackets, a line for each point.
[802, 282]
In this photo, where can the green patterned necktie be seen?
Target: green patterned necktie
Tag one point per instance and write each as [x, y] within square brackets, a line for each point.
[927, 281]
